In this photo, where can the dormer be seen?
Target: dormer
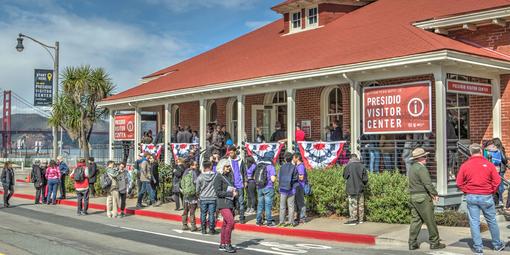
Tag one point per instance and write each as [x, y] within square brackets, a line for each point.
[302, 15]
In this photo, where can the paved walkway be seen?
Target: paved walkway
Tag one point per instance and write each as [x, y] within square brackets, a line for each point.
[390, 235]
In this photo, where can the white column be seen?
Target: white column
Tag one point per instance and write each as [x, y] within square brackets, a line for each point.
[138, 130]
[496, 107]
[355, 96]
[240, 120]
[168, 130]
[111, 132]
[291, 118]
[441, 138]
[203, 125]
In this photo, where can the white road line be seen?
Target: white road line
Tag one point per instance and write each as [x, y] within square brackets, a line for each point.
[204, 241]
[442, 253]
[182, 232]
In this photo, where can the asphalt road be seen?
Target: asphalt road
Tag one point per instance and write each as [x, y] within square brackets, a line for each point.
[43, 229]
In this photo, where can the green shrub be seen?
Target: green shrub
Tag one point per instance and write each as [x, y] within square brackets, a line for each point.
[452, 219]
[328, 195]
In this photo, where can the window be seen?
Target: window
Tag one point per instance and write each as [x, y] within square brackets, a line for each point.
[233, 123]
[335, 110]
[296, 21]
[312, 17]
[213, 113]
[280, 97]
[458, 116]
[176, 116]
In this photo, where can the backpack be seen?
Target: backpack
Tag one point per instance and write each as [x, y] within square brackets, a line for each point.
[106, 181]
[79, 174]
[188, 187]
[496, 157]
[260, 175]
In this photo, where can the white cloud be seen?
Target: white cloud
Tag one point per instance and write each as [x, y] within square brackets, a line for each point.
[187, 5]
[126, 52]
[255, 24]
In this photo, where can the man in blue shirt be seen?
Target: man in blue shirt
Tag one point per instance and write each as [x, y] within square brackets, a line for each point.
[240, 179]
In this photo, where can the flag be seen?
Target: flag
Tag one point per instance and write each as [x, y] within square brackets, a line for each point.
[181, 150]
[320, 154]
[259, 151]
[153, 149]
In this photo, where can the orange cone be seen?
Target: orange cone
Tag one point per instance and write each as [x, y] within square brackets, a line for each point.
[28, 178]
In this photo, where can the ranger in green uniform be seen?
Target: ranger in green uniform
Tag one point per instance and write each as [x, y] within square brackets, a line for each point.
[422, 208]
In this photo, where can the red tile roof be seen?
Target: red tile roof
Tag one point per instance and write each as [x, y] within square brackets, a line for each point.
[377, 31]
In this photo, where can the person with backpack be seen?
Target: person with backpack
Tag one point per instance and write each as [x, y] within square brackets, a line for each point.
[252, 187]
[207, 198]
[38, 180]
[239, 174]
[302, 189]
[497, 155]
[80, 176]
[145, 180]
[112, 192]
[93, 176]
[176, 180]
[8, 181]
[53, 176]
[287, 180]
[226, 192]
[189, 192]
[356, 178]
[64, 170]
[123, 181]
[265, 177]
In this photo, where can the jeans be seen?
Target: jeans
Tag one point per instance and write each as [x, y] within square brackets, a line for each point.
[374, 160]
[208, 206]
[145, 188]
[122, 197]
[52, 190]
[177, 196]
[485, 203]
[265, 202]
[300, 203]
[39, 192]
[501, 187]
[239, 202]
[83, 200]
[92, 190]
[286, 201]
[228, 225]
[252, 195]
[388, 161]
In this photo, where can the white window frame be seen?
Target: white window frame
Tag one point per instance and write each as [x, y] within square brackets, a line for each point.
[308, 24]
[324, 103]
[291, 23]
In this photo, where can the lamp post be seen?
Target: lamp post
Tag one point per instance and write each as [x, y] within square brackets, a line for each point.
[55, 58]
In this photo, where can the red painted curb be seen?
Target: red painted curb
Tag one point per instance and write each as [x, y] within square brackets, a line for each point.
[21, 180]
[310, 234]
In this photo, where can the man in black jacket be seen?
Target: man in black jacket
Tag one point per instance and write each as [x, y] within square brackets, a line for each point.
[92, 176]
[356, 177]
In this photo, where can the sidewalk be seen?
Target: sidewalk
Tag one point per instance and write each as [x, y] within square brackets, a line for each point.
[327, 229]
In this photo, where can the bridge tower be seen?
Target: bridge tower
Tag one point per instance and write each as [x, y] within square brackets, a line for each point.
[6, 122]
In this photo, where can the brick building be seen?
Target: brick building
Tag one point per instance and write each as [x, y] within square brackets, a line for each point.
[313, 65]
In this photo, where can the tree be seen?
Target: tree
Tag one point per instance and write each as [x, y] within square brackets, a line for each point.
[76, 108]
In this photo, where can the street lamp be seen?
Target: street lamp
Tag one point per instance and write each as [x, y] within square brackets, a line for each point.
[54, 57]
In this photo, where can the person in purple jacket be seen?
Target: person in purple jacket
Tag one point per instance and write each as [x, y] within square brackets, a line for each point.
[239, 179]
[252, 187]
[265, 194]
[300, 189]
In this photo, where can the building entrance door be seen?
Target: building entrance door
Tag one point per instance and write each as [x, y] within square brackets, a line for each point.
[263, 117]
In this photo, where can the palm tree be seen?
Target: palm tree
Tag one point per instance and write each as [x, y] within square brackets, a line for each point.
[76, 108]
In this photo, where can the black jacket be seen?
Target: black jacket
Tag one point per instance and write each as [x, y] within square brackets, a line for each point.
[225, 199]
[154, 167]
[7, 177]
[38, 176]
[177, 175]
[356, 177]
[92, 173]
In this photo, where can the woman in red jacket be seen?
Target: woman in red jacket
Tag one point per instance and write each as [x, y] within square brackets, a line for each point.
[53, 177]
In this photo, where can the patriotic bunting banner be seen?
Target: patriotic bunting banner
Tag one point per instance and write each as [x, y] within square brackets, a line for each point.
[181, 150]
[153, 149]
[259, 151]
[320, 154]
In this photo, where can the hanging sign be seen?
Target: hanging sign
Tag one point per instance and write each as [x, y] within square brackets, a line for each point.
[306, 126]
[470, 88]
[43, 87]
[124, 127]
[402, 108]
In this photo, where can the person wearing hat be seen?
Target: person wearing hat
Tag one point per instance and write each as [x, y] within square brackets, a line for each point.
[422, 209]
[479, 179]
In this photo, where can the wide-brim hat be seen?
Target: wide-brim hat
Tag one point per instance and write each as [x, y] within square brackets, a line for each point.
[419, 153]
[221, 165]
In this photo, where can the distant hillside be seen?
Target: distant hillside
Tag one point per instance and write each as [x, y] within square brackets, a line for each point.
[36, 122]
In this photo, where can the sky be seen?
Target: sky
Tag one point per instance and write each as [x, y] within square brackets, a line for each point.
[128, 38]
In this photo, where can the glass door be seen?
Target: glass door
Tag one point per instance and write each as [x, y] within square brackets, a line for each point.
[262, 118]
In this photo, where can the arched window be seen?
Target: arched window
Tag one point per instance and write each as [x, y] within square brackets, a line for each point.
[331, 108]
[212, 110]
[176, 116]
[335, 110]
[232, 124]
[280, 97]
